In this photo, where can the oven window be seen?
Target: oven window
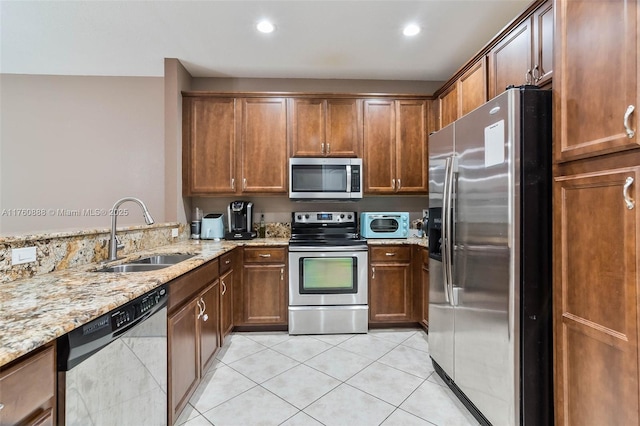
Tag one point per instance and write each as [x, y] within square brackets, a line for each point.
[328, 275]
[384, 225]
[319, 178]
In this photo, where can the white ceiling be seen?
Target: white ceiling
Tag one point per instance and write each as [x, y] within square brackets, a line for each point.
[359, 39]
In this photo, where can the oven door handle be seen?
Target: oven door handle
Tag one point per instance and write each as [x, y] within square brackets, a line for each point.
[326, 248]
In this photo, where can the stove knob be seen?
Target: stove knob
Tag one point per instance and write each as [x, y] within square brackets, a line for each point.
[306, 216]
[299, 216]
[342, 216]
[349, 217]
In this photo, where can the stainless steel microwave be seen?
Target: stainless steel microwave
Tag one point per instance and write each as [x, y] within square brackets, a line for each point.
[325, 178]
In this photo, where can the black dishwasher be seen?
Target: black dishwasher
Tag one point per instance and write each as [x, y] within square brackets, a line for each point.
[113, 370]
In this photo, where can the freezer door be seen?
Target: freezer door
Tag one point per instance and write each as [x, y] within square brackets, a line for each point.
[483, 263]
[440, 310]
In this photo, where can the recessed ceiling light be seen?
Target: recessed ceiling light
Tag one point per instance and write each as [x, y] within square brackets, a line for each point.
[411, 30]
[265, 27]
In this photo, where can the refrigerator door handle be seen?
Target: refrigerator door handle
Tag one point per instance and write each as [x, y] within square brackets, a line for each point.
[447, 217]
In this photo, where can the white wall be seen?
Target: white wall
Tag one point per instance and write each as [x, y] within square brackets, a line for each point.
[74, 143]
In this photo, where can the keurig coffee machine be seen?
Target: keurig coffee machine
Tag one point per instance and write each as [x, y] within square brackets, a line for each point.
[240, 219]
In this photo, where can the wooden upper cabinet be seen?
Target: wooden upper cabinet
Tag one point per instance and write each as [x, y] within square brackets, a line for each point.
[326, 127]
[510, 60]
[263, 145]
[465, 94]
[596, 78]
[525, 54]
[411, 147]
[395, 146]
[449, 105]
[208, 148]
[473, 88]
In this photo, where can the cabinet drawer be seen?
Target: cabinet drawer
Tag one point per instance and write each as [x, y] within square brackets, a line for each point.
[226, 262]
[28, 388]
[184, 287]
[390, 254]
[265, 254]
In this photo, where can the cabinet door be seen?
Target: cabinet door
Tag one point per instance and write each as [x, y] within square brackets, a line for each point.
[596, 299]
[411, 147]
[28, 389]
[379, 146]
[542, 70]
[473, 87]
[264, 145]
[184, 366]
[308, 127]
[510, 60]
[390, 292]
[265, 294]
[596, 77]
[209, 324]
[449, 105]
[226, 304]
[343, 124]
[209, 146]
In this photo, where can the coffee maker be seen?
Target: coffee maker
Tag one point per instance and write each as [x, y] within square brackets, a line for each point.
[240, 220]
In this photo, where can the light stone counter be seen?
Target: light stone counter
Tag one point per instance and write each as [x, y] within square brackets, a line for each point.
[37, 310]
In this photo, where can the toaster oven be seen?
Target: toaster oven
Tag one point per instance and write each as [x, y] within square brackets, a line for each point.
[384, 224]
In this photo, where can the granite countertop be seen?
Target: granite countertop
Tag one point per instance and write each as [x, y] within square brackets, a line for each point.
[35, 311]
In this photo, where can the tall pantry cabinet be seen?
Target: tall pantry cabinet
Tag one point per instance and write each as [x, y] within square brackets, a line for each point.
[596, 218]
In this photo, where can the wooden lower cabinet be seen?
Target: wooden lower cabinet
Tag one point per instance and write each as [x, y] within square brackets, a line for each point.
[28, 389]
[390, 284]
[193, 332]
[596, 281]
[264, 290]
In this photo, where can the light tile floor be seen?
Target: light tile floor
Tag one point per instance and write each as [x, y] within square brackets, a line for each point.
[384, 377]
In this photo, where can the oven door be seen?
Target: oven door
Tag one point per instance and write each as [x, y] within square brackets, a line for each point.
[327, 276]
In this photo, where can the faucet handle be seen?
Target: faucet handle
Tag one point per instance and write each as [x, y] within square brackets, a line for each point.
[119, 245]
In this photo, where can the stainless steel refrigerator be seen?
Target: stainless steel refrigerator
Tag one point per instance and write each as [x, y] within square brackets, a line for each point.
[490, 332]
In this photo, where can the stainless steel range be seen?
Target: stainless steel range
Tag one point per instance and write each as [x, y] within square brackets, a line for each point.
[328, 282]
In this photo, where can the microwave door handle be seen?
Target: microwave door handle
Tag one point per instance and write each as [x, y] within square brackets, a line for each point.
[348, 177]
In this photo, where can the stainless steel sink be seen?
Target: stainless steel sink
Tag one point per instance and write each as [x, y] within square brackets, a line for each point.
[166, 259]
[151, 263]
[133, 267]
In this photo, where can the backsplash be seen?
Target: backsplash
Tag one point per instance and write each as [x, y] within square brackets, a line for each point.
[63, 250]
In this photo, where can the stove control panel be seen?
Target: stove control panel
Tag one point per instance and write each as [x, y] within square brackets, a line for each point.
[345, 218]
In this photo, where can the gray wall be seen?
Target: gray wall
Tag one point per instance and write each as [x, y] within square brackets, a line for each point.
[74, 143]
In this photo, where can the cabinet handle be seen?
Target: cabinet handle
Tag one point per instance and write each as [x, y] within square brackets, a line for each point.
[281, 274]
[205, 317]
[1, 406]
[535, 74]
[625, 193]
[322, 148]
[373, 272]
[630, 132]
[399, 184]
[233, 184]
[200, 308]
[226, 262]
[244, 183]
[528, 76]
[224, 288]
[265, 255]
[390, 254]
[393, 184]
[328, 148]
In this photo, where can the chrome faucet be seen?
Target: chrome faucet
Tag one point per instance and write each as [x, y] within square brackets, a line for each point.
[114, 245]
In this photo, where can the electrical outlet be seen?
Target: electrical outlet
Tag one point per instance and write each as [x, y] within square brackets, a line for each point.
[174, 232]
[425, 213]
[23, 255]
